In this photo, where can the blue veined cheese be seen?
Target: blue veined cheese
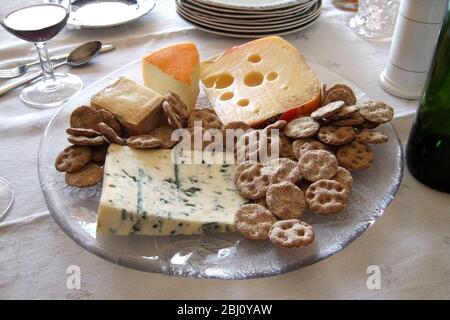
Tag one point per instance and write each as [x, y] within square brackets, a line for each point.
[146, 193]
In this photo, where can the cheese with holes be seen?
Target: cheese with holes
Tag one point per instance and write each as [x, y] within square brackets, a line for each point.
[175, 68]
[146, 193]
[259, 80]
[136, 107]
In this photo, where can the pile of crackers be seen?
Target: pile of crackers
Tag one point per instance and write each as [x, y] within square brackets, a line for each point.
[317, 153]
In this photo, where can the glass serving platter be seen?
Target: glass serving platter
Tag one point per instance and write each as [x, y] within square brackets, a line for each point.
[220, 255]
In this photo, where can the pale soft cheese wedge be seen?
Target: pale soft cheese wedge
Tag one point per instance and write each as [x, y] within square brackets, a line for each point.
[175, 68]
[135, 106]
[145, 193]
[259, 80]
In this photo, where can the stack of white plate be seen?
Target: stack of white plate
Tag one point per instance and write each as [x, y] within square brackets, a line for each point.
[250, 18]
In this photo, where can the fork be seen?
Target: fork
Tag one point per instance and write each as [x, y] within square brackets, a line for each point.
[20, 70]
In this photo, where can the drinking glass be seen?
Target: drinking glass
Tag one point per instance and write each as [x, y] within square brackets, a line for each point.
[6, 197]
[38, 22]
[376, 19]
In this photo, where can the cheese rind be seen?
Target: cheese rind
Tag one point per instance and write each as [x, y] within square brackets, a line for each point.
[175, 68]
[264, 78]
[136, 107]
[145, 193]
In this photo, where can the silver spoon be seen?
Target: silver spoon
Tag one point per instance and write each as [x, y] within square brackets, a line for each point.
[18, 71]
[78, 57]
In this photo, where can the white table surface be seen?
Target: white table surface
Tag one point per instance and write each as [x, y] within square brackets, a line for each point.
[410, 242]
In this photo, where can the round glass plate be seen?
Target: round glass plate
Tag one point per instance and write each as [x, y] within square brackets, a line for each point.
[222, 255]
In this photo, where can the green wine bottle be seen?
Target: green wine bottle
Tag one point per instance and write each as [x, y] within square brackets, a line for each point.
[428, 148]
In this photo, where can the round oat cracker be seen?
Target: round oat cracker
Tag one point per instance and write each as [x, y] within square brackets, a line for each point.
[352, 120]
[378, 112]
[345, 112]
[327, 197]
[108, 118]
[336, 135]
[328, 110]
[253, 221]
[355, 156]
[340, 92]
[207, 117]
[285, 200]
[280, 124]
[85, 117]
[110, 134]
[303, 127]
[367, 125]
[238, 170]
[300, 146]
[291, 233]
[82, 132]
[176, 121]
[283, 169]
[73, 158]
[85, 141]
[344, 177]
[164, 134]
[144, 141]
[237, 125]
[87, 176]
[252, 183]
[317, 165]
[99, 153]
[368, 136]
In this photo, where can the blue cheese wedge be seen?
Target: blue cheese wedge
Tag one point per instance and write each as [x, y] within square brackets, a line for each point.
[146, 193]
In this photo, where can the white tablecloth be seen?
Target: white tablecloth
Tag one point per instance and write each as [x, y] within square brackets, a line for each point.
[410, 243]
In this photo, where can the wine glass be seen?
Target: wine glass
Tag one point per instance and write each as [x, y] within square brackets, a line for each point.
[6, 197]
[37, 22]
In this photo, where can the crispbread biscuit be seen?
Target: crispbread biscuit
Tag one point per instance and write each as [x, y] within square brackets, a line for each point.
[326, 197]
[144, 141]
[231, 133]
[285, 200]
[108, 118]
[300, 146]
[378, 112]
[303, 127]
[238, 170]
[352, 120]
[87, 176]
[99, 153]
[176, 121]
[85, 117]
[253, 221]
[328, 110]
[340, 92]
[110, 134]
[252, 183]
[164, 134]
[367, 136]
[336, 135]
[280, 124]
[344, 177]
[355, 156]
[237, 125]
[367, 125]
[317, 165]
[283, 169]
[73, 158]
[345, 112]
[291, 233]
[83, 132]
[207, 117]
[175, 110]
[250, 146]
[286, 150]
[85, 141]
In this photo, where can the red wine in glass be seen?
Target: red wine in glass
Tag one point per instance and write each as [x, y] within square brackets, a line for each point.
[28, 23]
[38, 22]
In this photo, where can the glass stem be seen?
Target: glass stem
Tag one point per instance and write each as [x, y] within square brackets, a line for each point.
[46, 63]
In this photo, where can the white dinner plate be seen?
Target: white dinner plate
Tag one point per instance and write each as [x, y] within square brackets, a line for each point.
[283, 10]
[253, 29]
[213, 255]
[240, 15]
[253, 4]
[103, 14]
